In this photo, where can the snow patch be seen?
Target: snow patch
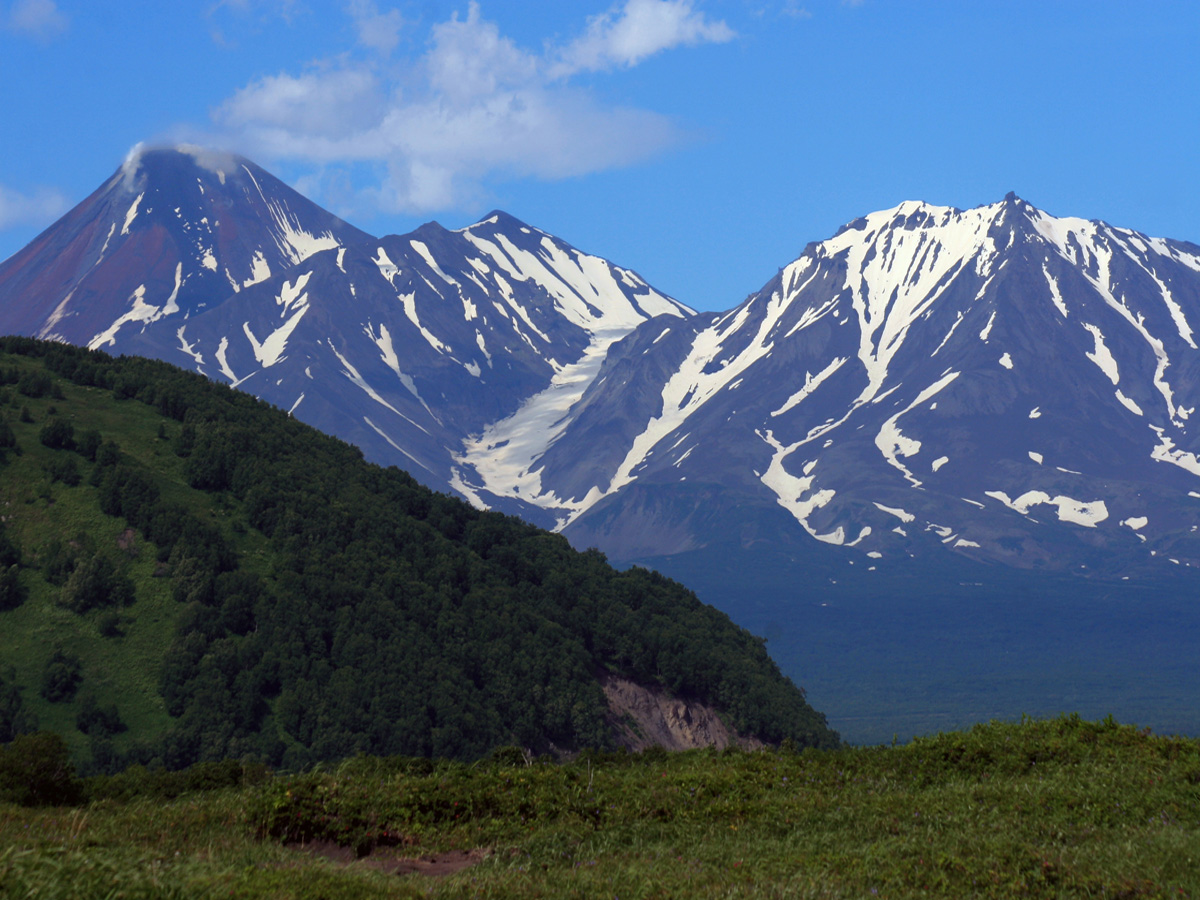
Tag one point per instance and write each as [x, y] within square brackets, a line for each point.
[358, 381]
[387, 351]
[293, 293]
[188, 348]
[1076, 512]
[1129, 404]
[424, 253]
[260, 269]
[140, 311]
[796, 494]
[387, 268]
[409, 302]
[987, 329]
[131, 214]
[223, 362]
[900, 514]
[1166, 452]
[1102, 356]
[270, 350]
[892, 443]
[291, 239]
[1055, 294]
[506, 454]
[379, 431]
[811, 383]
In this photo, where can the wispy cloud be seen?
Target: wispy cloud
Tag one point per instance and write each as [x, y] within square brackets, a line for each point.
[473, 108]
[641, 28]
[795, 10]
[41, 207]
[38, 19]
[233, 22]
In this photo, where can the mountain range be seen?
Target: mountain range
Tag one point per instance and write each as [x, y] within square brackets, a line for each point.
[990, 396]
[995, 383]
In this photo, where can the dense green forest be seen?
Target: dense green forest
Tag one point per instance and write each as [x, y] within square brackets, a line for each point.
[189, 574]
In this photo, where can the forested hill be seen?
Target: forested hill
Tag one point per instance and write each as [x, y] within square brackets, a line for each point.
[187, 573]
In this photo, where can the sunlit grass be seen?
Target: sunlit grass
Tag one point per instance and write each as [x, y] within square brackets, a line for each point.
[1059, 808]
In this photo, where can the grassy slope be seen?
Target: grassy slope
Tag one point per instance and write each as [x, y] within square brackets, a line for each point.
[122, 670]
[125, 669]
[1057, 808]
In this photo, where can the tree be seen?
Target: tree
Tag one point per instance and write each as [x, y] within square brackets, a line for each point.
[61, 677]
[35, 770]
[57, 434]
[12, 591]
[94, 583]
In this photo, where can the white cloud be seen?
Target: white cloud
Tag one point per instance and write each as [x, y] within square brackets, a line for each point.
[640, 29]
[40, 19]
[474, 107]
[41, 207]
[378, 31]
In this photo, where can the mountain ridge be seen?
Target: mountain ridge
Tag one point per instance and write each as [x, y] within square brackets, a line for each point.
[887, 389]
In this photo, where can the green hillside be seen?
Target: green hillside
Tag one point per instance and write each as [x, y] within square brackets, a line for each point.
[189, 574]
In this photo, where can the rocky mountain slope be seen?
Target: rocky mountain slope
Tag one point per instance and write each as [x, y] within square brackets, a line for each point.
[403, 345]
[1007, 385]
[997, 384]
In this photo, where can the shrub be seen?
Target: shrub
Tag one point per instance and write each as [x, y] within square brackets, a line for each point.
[61, 677]
[109, 625]
[36, 771]
[14, 718]
[95, 582]
[58, 434]
[34, 384]
[88, 443]
[64, 469]
[97, 720]
[12, 592]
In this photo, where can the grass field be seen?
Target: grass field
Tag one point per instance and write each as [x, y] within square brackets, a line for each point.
[1045, 808]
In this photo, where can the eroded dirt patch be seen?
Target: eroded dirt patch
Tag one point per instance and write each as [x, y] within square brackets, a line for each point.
[392, 861]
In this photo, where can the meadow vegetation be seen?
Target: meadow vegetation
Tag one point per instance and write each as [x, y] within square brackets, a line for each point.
[1040, 808]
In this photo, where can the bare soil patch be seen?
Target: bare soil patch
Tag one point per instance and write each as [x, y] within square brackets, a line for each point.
[391, 861]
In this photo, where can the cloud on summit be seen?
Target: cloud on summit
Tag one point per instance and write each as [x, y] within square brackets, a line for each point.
[472, 108]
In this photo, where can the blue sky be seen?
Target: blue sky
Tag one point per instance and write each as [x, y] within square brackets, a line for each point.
[700, 142]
